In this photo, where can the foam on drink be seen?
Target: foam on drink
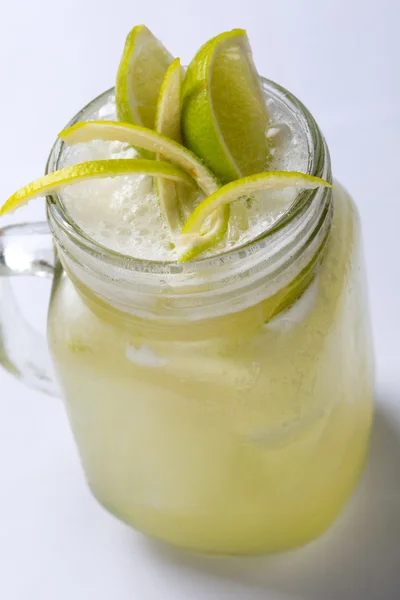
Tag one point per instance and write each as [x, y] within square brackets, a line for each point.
[123, 213]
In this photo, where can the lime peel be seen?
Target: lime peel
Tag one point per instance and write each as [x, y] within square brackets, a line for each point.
[53, 182]
[273, 180]
[147, 139]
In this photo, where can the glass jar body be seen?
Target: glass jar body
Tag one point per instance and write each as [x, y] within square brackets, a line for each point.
[244, 440]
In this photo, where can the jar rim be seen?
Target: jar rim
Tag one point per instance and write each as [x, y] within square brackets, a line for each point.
[318, 165]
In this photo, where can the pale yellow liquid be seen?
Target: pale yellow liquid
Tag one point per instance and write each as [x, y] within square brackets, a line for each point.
[247, 438]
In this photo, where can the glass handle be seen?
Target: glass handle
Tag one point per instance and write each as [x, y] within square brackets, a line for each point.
[25, 249]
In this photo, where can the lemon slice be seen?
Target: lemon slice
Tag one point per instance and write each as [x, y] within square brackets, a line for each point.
[147, 139]
[140, 74]
[168, 123]
[53, 182]
[224, 115]
[191, 242]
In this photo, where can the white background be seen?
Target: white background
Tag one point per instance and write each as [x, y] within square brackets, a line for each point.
[341, 57]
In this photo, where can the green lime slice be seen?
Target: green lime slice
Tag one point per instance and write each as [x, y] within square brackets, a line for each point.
[140, 74]
[167, 123]
[224, 115]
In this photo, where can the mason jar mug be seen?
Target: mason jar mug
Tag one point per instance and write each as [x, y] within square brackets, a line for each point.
[223, 405]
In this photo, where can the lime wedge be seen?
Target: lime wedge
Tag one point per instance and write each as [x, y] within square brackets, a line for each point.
[140, 74]
[168, 111]
[54, 182]
[224, 116]
[191, 243]
[147, 139]
[168, 123]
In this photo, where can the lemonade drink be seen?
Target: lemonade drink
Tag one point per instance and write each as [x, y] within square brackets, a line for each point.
[222, 405]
